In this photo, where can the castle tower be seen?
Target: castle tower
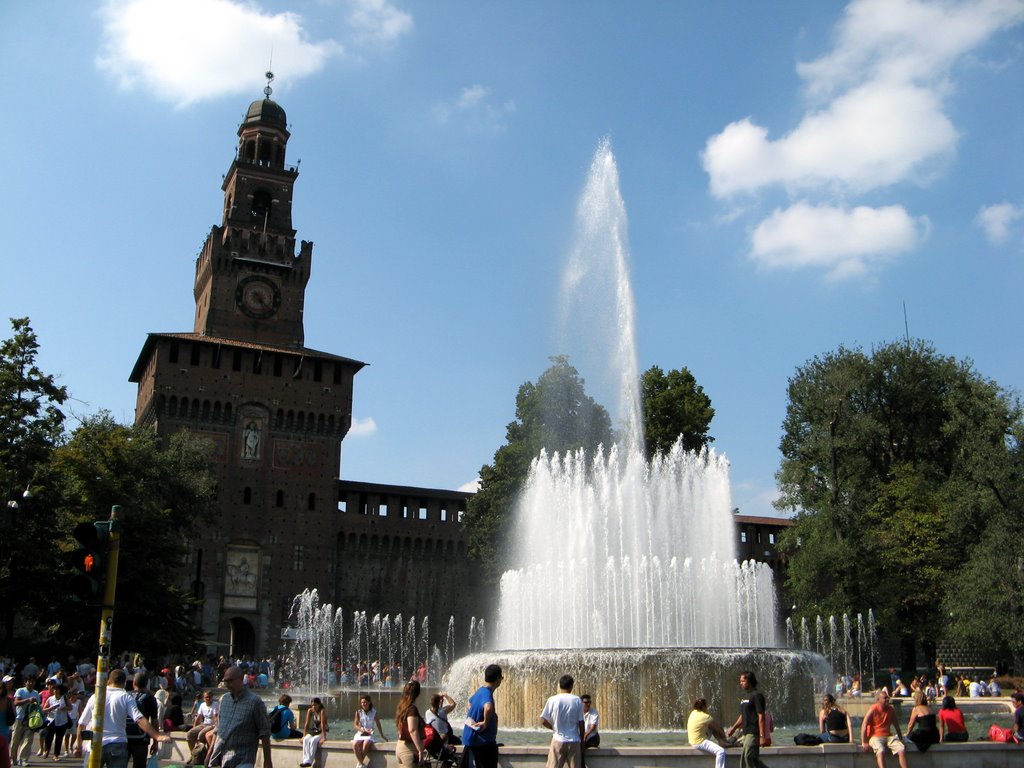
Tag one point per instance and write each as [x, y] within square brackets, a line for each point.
[274, 411]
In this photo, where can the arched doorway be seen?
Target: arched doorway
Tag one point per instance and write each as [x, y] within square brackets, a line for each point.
[243, 638]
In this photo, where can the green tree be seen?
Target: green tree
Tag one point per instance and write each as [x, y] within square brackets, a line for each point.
[674, 404]
[162, 490]
[31, 424]
[553, 414]
[889, 461]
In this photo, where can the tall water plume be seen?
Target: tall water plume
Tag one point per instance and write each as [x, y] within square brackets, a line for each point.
[597, 312]
[612, 551]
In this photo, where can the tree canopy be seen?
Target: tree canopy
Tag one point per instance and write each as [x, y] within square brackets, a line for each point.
[899, 465]
[674, 405]
[163, 490]
[553, 414]
[53, 481]
[31, 424]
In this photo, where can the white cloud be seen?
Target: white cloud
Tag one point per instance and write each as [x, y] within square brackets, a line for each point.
[997, 220]
[870, 137]
[191, 50]
[905, 41]
[471, 487]
[362, 427]
[875, 119]
[843, 242]
[378, 22]
[474, 110]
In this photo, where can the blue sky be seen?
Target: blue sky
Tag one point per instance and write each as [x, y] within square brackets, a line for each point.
[793, 173]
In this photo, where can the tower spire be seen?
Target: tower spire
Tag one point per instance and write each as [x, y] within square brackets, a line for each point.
[270, 78]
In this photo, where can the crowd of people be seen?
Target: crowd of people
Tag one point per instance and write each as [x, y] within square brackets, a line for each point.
[46, 712]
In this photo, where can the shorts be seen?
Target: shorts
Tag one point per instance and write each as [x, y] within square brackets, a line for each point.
[879, 743]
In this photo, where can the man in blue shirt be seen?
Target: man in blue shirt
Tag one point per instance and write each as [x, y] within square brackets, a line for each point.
[21, 735]
[479, 736]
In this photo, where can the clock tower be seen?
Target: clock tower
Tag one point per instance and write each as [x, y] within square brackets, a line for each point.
[272, 411]
[250, 283]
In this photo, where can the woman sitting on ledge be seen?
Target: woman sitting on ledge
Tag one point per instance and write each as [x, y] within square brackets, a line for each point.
[700, 727]
[366, 722]
[314, 732]
[833, 722]
[951, 721]
[922, 729]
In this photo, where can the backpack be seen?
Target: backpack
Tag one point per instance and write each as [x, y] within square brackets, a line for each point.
[131, 728]
[807, 739]
[276, 716]
[35, 719]
[995, 733]
[429, 734]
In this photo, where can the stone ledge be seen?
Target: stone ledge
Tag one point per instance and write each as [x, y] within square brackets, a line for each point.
[978, 754]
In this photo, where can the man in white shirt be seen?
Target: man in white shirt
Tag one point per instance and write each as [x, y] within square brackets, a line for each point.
[119, 707]
[563, 714]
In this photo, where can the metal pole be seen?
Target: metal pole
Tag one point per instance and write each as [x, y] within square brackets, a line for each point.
[106, 626]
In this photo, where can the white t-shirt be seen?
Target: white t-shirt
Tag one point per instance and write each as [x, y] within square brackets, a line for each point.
[206, 713]
[55, 710]
[565, 712]
[590, 718]
[438, 722]
[120, 706]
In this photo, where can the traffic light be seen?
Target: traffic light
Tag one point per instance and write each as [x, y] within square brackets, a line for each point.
[85, 585]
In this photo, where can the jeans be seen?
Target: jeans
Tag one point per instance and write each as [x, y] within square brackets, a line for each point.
[115, 755]
[138, 751]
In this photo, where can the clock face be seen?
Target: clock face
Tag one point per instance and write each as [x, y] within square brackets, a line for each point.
[258, 297]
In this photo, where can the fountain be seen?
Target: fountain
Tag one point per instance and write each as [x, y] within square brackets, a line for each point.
[661, 612]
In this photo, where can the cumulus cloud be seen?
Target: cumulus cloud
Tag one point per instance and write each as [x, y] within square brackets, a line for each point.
[378, 22]
[843, 242]
[471, 487]
[474, 110]
[362, 427]
[875, 118]
[191, 50]
[905, 41]
[998, 220]
[870, 137]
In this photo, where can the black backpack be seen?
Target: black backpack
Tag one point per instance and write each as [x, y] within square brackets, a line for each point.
[276, 716]
[148, 710]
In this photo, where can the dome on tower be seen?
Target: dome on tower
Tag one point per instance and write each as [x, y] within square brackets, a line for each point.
[266, 111]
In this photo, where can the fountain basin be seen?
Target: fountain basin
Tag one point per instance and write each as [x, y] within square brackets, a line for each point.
[645, 688]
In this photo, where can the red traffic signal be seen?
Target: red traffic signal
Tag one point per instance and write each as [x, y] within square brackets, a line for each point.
[86, 559]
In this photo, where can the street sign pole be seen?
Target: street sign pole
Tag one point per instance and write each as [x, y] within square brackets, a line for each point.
[106, 626]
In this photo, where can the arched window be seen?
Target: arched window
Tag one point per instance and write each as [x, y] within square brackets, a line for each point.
[261, 204]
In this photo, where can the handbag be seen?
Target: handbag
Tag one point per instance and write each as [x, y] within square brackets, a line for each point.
[35, 719]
